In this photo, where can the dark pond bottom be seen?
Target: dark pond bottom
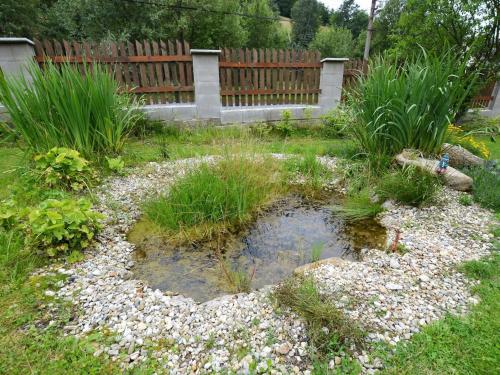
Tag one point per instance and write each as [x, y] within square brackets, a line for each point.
[280, 240]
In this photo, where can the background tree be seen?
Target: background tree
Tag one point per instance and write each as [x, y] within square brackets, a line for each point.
[385, 23]
[351, 17]
[18, 18]
[470, 27]
[285, 7]
[333, 42]
[261, 31]
[306, 16]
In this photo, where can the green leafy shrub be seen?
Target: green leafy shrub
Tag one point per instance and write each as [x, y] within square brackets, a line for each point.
[65, 168]
[337, 122]
[285, 127]
[409, 105]
[329, 329]
[59, 226]
[227, 194]
[62, 107]
[261, 129]
[358, 206]
[486, 187]
[115, 164]
[410, 185]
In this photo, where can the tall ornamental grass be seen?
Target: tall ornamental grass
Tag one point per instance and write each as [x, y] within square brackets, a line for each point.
[409, 105]
[62, 107]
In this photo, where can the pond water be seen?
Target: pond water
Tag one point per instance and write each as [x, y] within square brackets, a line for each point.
[281, 239]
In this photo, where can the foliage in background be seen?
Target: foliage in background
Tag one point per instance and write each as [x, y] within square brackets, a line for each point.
[117, 20]
[227, 194]
[302, 296]
[306, 16]
[333, 42]
[478, 125]
[470, 27]
[350, 16]
[63, 167]
[408, 106]
[457, 136]
[486, 186]
[62, 107]
[409, 185]
[285, 127]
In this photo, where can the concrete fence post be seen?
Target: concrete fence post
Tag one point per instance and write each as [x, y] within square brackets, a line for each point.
[206, 84]
[495, 102]
[15, 54]
[330, 83]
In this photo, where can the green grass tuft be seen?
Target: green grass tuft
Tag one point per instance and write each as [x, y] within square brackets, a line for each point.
[329, 330]
[358, 206]
[227, 194]
[410, 185]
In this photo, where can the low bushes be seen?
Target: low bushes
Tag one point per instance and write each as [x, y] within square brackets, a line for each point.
[409, 105]
[409, 185]
[63, 167]
[54, 226]
[457, 136]
[228, 193]
[486, 187]
[62, 107]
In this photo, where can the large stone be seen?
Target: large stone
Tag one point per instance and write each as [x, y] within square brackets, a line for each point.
[452, 177]
[460, 157]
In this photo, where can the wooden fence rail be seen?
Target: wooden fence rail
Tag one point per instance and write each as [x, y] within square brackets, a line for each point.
[160, 71]
[269, 77]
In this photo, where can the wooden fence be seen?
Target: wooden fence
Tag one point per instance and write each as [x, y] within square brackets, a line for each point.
[269, 77]
[160, 71]
[483, 98]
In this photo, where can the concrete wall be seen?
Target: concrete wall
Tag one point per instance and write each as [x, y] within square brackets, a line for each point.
[16, 53]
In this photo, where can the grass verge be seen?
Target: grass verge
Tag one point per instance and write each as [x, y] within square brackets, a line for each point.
[458, 345]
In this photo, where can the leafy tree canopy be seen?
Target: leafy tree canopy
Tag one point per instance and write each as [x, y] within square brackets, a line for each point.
[333, 42]
[285, 7]
[351, 17]
[306, 16]
[471, 27]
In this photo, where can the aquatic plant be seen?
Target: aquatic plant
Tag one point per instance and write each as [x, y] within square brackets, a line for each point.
[358, 206]
[316, 251]
[216, 197]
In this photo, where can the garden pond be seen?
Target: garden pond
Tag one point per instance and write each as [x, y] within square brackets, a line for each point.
[288, 234]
